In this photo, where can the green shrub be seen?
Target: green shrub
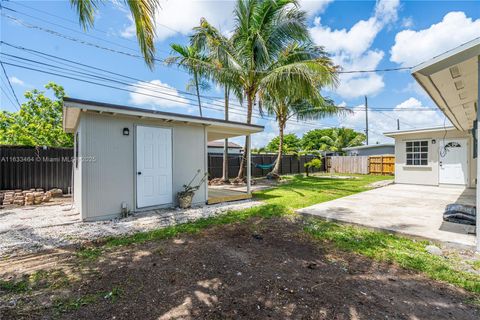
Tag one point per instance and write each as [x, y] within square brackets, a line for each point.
[314, 163]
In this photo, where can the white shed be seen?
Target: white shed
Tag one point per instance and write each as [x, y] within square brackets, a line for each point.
[139, 158]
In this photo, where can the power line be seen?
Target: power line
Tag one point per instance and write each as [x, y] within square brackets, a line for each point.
[146, 83]
[107, 71]
[73, 22]
[9, 83]
[67, 37]
[147, 94]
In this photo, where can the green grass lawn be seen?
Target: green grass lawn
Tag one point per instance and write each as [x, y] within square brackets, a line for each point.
[298, 192]
[303, 191]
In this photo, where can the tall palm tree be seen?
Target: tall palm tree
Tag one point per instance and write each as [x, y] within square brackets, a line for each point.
[219, 57]
[143, 12]
[285, 104]
[342, 138]
[262, 30]
[188, 57]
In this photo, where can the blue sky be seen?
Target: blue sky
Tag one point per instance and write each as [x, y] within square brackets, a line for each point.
[359, 35]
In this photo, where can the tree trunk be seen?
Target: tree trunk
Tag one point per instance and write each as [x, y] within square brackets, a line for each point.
[198, 93]
[225, 145]
[276, 169]
[241, 171]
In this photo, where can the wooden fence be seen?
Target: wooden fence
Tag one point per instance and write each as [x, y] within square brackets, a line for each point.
[382, 164]
[361, 164]
[289, 165]
[30, 167]
[349, 164]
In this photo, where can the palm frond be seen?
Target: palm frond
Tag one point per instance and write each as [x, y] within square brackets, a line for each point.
[85, 11]
[143, 12]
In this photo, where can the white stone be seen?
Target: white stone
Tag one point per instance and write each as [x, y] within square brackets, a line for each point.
[434, 250]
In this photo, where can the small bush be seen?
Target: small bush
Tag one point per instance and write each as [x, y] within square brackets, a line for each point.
[314, 163]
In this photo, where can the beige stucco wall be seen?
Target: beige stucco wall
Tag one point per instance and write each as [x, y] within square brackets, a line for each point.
[429, 175]
[110, 179]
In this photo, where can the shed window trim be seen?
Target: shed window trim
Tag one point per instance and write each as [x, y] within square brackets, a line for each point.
[416, 153]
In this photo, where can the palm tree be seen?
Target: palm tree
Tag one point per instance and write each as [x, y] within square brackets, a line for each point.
[188, 57]
[285, 104]
[220, 58]
[262, 30]
[342, 138]
[143, 12]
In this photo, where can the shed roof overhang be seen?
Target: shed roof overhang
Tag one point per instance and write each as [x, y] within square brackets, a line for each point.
[216, 128]
[451, 80]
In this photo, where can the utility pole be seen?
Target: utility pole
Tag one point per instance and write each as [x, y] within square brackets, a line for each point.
[398, 124]
[366, 118]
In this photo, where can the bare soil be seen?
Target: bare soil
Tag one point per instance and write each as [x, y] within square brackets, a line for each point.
[258, 269]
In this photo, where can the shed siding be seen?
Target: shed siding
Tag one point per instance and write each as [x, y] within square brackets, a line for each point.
[77, 168]
[110, 179]
[428, 175]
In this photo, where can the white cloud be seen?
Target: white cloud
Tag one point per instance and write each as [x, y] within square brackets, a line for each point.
[414, 87]
[413, 47]
[351, 49]
[15, 80]
[144, 96]
[180, 16]
[407, 22]
[313, 7]
[411, 113]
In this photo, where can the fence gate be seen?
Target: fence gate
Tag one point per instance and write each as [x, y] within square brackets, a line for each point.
[382, 164]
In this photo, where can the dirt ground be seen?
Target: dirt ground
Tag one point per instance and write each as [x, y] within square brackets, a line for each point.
[259, 269]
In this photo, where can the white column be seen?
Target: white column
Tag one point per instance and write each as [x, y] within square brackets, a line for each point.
[478, 158]
[249, 164]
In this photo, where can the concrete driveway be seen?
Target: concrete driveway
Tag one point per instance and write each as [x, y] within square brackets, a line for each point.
[408, 209]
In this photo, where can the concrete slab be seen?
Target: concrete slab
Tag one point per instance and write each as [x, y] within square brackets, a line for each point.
[412, 210]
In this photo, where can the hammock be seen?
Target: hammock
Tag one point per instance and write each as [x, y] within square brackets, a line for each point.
[265, 166]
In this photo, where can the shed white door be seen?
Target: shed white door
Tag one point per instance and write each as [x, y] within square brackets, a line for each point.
[154, 166]
[453, 161]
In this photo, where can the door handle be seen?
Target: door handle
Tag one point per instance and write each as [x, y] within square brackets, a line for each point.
[139, 173]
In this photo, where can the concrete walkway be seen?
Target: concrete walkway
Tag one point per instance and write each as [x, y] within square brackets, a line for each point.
[408, 209]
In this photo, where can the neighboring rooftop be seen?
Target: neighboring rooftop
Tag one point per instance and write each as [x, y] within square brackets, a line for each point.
[370, 146]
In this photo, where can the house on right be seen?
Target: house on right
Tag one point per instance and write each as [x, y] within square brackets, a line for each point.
[446, 155]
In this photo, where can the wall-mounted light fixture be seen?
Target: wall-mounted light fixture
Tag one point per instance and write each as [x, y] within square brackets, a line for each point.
[434, 141]
[126, 131]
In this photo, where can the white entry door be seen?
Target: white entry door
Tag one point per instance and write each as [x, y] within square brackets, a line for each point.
[453, 161]
[154, 166]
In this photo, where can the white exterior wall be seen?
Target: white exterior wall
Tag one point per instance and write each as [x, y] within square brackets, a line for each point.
[429, 174]
[110, 179]
[77, 169]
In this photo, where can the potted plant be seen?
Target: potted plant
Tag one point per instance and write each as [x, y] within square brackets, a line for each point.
[186, 195]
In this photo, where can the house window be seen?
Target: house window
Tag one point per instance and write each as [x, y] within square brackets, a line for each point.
[417, 153]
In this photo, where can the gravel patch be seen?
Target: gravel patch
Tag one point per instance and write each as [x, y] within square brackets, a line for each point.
[31, 229]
